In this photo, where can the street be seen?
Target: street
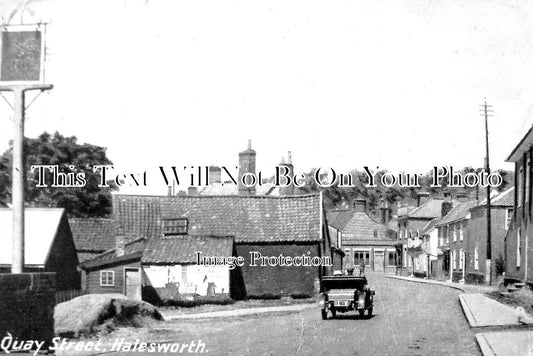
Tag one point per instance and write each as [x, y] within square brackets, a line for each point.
[409, 319]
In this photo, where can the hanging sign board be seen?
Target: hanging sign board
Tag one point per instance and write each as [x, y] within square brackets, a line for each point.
[22, 56]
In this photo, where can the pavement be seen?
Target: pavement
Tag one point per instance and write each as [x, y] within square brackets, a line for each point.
[515, 336]
[240, 312]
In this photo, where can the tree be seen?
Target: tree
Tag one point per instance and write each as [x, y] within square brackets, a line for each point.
[65, 152]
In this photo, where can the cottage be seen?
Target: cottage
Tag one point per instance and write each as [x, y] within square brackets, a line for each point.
[176, 228]
[364, 241]
[412, 222]
[518, 264]
[476, 249]
[49, 246]
[454, 229]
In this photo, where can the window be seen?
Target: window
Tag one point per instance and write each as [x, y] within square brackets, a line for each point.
[107, 278]
[375, 233]
[392, 258]
[460, 232]
[361, 256]
[175, 226]
[446, 233]
[461, 259]
[476, 259]
[508, 217]
[518, 247]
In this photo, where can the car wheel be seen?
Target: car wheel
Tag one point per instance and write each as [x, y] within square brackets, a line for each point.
[370, 312]
[324, 313]
[361, 312]
[333, 313]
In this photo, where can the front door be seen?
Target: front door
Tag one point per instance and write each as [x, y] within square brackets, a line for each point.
[379, 257]
[132, 278]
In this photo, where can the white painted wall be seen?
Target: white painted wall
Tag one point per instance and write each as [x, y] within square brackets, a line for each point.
[197, 278]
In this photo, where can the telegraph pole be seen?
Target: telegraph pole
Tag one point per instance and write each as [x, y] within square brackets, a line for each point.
[486, 112]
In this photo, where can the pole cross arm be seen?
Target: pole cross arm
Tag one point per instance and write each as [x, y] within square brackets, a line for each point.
[23, 87]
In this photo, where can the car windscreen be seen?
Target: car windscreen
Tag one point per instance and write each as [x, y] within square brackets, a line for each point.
[343, 283]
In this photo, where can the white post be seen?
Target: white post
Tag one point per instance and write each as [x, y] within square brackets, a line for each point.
[18, 184]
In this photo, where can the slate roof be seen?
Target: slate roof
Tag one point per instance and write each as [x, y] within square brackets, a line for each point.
[247, 218]
[504, 199]
[459, 212]
[182, 249]
[40, 229]
[92, 234]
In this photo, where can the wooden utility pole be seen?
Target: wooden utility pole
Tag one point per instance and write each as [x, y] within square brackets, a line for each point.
[486, 110]
[19, 108]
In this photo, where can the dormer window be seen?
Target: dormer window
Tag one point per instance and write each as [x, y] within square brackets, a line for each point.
[177, 226]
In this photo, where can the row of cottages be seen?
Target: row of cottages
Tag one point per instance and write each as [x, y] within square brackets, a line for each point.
[159, 237]
[416, 231]
[365, 242]
[453, 246]
[48, 245]
[518, 248]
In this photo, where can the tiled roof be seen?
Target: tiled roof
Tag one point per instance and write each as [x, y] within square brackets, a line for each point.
[362, 227]
[429, 210]
[40, 229]
[92, 234]
[505, 199]
[233, 189]
[130, 248]
[247, 218]
[459, 212]
[182, 249]
[339, 218]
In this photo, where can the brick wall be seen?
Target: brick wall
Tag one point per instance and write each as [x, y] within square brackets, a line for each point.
[27, 303]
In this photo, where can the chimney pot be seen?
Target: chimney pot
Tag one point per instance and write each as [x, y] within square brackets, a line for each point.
[246, 165]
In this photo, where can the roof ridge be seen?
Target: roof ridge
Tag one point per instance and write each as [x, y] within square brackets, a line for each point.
[222, 196]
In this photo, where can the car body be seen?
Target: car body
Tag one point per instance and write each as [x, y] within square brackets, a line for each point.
[345, 293]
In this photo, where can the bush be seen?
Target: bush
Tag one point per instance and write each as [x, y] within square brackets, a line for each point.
[475, 278]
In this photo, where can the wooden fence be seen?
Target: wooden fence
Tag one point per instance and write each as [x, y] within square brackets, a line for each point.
[66, 295]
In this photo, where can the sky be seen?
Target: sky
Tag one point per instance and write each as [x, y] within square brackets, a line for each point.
[342, 84]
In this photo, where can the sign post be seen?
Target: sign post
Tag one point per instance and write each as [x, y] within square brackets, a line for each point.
[21, 70]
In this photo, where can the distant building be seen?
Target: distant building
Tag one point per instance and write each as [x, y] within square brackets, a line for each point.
[365, 242]
[413, 222]
[48, 246]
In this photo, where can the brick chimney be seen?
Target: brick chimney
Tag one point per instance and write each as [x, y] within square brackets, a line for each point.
[446, 206]
[359, 205]
[246, 165]
[288, 190]
[120, 242]
[385, 212]
[215, 175]
[422, 197]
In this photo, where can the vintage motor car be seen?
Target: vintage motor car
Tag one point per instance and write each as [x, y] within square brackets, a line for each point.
[345, 293]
